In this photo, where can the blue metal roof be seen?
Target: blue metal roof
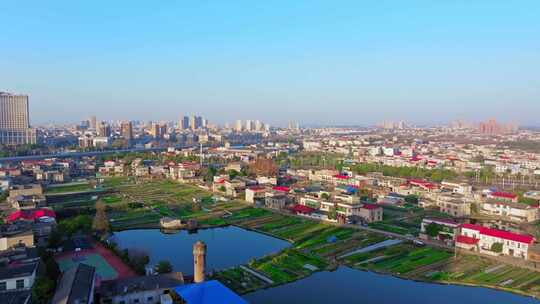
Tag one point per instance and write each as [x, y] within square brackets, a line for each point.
[209, 292]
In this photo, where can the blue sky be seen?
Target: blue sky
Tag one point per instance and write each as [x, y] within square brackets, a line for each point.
[327, 62]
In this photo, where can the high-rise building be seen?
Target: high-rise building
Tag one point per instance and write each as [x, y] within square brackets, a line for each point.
[93, 122]
[294, 125]
[104, 130]
[158, 130]
[127, 130]
[183, 123]
[258, 125]
[14, 120]
[155, 131]
[249, 125]
[492, 127]
[193, 122]
[238, 126]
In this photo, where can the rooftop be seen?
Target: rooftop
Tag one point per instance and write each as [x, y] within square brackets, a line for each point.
[17, 271]
[507, 235]
[208, 292]
[141, 283]
[75, 285]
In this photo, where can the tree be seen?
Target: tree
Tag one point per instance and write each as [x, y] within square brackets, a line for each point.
[51, 268]
[433, 229]
[411, 199]
[138, 260]
[101, 223]
[222, 188]
[43, 290]
[210, 173]
[332, 213]
[233, 173]
[55, 239]
[164, 267]
[263, 166]
[497, 247]
[325, 196]
[72, 225]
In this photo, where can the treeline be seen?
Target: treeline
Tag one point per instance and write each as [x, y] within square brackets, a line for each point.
[436, 175]
[156, 156]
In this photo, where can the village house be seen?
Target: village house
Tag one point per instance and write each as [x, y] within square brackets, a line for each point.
[27, 202]
[460, 188]
[234, 187]
[140, 290]
[17, 278]
[30, 189]
[493, 241]
[502, 196]
[516, 212]
[16, 235]
[276, 200]
[454, 204]
[256, 194]
[447, 229]
[371, 213]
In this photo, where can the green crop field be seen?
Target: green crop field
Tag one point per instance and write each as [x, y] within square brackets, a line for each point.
[69, 188]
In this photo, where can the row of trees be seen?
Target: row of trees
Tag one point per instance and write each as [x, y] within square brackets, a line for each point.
[405, 172]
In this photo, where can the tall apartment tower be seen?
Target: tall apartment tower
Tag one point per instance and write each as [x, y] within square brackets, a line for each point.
[127, 130]
[14, 120]
[93, 122]
[238, 126]
[103, 129]
[193, 122]
[183, 124]
[199, 261]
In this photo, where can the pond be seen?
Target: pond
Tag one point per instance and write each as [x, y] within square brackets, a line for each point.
[226, 246]
[347, 285]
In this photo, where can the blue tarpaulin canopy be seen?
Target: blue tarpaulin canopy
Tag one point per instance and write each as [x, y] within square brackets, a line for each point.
[210, 292]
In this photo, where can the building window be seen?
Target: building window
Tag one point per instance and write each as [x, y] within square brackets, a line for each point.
[136, 301]
[3, 286]
[19, 284]
[150, 299]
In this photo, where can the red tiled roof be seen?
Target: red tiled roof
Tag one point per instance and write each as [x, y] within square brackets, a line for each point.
[281, 188]
[422, 183]
[341, 176]
[30, 214]
[466, 240]
[302, 209]
[507, 235]
[371, 206]
[504, 194]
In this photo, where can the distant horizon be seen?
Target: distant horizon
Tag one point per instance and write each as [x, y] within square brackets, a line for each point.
[317, 62]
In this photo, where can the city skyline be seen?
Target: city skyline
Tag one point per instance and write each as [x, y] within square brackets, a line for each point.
[315, 62]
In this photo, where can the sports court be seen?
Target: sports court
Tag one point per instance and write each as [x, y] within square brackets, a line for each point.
[108, 266]
[103, 269]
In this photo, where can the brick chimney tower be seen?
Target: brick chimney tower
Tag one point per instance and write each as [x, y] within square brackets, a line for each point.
[199, 260]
